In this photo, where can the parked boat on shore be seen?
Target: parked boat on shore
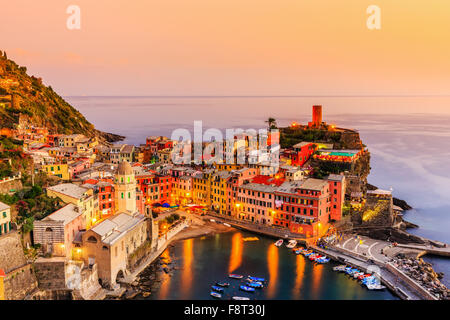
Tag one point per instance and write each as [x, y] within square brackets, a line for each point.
[216, 294]
[235, 276]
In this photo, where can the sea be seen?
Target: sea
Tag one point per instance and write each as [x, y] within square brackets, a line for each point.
[409, 142]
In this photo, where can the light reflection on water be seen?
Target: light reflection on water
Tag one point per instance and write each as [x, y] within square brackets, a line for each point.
[409, 151]
[272, 266]
[200, 263]
[237, 248]
[187, 274]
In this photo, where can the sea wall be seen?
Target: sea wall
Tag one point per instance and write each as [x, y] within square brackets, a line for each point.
[20, 279]
[419, 289]
[57, 274]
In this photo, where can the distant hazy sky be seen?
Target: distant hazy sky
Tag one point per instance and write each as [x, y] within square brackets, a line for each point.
[232, 47]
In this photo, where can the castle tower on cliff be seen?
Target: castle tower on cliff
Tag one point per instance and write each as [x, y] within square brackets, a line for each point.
[316, 117]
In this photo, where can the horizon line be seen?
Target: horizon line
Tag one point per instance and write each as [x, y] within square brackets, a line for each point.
[263, 96]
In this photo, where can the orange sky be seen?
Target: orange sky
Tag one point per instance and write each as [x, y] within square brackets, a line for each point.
[232, 47]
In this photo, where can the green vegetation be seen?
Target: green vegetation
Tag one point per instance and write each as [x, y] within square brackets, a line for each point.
[31, 204]
[39, 103]
[11, 149]
[271, 123]
[292, 136]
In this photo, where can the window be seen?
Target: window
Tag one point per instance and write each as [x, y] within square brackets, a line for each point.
[92, 239]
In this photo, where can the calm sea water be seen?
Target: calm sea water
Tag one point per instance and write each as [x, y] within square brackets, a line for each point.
[410, 153]
[204, 261]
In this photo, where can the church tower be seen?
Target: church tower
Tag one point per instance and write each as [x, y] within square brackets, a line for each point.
[125, 189]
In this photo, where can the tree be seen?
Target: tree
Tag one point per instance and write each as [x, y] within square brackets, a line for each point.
[272, 123]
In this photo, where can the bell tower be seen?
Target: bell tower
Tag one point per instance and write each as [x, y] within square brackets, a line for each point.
[125, 189]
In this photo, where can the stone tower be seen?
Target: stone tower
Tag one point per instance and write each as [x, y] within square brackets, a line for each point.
[125, 189]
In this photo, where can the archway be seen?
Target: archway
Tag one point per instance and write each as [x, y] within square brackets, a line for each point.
[120, 276]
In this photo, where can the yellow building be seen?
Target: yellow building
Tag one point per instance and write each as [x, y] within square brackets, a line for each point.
[219, 191]
[79, 196]
[60, 170]
[72, 139]
[5, 218]
[164, 156]
[201, 188]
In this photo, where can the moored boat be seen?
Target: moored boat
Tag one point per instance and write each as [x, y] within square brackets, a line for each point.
[223, 284]
[216, 294]
[247, 288]
[323, 260]
[217, 289]
[226, 224]
[240, 298]
[375, 286]
[291, 244]
[340, 268]
[235, 276]
[256, 279]
[255, 284]
[279, 242]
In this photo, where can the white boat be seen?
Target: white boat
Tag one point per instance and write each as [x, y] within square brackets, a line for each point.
[240, 298]
[375, 286]
[212, 220]
[226, 224]
[291, 244]
[279, 242]
[340, 268]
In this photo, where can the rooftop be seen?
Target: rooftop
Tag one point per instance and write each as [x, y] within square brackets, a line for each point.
[66, 214]
[69, 189]
[112, 229]
[4, 206]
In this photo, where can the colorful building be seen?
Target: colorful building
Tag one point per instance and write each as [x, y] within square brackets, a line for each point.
[60, 170]
[5, 218]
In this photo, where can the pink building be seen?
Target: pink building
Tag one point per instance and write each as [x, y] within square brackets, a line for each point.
[256, 203]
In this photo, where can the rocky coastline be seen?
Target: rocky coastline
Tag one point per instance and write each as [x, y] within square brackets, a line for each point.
[423, 273]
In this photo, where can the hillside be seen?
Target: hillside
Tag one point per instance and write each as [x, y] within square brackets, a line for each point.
[27, 96]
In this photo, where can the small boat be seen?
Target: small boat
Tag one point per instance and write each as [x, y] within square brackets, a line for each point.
[226, 224]
[256, 279]
[308, 253]
[217, 289]
[323, 260]
[314, 256]
[357, 274]
[291, 244]
[247, 288]
[235, 276]
[375, 287]
[240, 298]
[255, 284]
[363, 276]
[212, 220]
[279, 242]
[299, 250]
[340, 268]
[216, 294]
[223, 284]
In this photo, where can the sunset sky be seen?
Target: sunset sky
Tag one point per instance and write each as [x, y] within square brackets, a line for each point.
[232, 47]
